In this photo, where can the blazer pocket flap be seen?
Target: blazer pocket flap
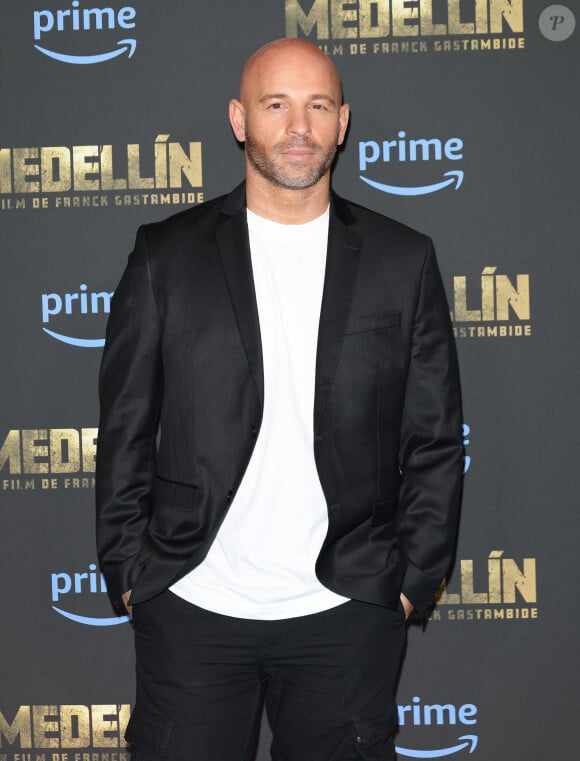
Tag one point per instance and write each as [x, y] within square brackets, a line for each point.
[384, 511]
[372, 323]
[174, 494]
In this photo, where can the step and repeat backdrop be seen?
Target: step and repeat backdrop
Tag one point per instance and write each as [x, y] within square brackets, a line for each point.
[465, 125]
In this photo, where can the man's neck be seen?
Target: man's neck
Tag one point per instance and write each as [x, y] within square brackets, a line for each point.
[286, 206]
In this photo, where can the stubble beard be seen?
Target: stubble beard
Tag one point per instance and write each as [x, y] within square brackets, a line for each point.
[293, 177]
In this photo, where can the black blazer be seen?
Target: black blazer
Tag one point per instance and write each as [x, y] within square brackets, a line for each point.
[181, 389]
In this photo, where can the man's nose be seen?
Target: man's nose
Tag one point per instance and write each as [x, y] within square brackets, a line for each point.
[298, 123]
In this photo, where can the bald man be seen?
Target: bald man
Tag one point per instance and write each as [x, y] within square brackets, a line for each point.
[279, 455]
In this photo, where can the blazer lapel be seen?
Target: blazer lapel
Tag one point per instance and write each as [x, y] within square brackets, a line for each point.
[234, 247]
[339, 281]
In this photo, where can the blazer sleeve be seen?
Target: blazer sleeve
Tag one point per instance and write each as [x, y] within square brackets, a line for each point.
[431, 454]
[130, 391]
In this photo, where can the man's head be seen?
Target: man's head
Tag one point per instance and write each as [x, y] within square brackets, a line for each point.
[289, 114]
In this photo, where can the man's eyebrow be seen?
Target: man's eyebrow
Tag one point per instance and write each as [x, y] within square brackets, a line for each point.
[282, 95]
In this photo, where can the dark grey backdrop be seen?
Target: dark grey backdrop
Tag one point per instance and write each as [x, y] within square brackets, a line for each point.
[495, 671]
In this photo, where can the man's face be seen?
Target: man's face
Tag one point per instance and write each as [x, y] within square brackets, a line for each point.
[290, 116]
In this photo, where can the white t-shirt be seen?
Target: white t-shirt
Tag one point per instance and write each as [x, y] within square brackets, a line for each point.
[261, 564]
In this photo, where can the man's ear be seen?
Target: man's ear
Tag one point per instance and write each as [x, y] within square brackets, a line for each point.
[343, 118]
[237, 120]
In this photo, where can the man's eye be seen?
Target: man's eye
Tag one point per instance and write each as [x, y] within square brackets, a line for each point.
[319, 106]
[276, 106]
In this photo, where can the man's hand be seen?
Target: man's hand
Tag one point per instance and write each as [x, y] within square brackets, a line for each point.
[407, 605]
[129, 608]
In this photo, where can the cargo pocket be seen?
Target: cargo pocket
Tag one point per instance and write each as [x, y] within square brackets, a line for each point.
[148, 734]
[373, 739]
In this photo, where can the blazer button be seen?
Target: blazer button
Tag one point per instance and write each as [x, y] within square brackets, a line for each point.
[334, 508]
[254, 431]
[230, 496]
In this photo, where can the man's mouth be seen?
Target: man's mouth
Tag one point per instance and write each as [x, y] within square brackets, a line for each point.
[298, 152]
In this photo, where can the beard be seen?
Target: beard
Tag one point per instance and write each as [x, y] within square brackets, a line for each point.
[293, 177]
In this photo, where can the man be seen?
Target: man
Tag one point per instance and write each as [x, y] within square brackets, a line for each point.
[280, 446]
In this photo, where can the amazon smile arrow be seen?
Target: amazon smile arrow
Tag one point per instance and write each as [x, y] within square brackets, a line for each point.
[128, 45]
[455, 176]
[91, 621]
[470, 742]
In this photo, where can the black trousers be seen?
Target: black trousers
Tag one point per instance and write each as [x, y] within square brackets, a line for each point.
[327, 679]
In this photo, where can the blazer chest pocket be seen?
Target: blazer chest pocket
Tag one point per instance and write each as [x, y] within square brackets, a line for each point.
[373, 323]
[173, 505]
